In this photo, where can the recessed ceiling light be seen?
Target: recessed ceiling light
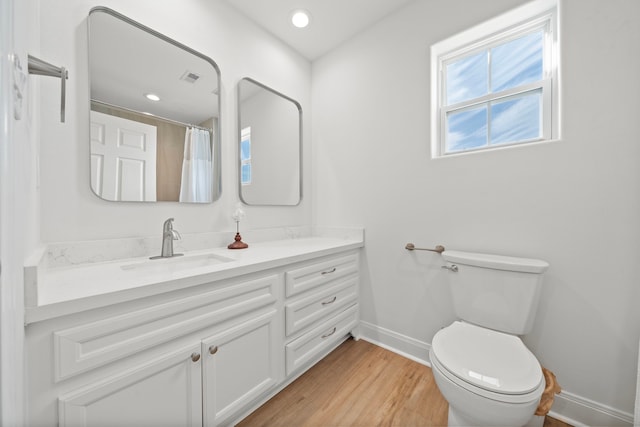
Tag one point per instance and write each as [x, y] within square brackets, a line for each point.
[152, 96]
[300, 18]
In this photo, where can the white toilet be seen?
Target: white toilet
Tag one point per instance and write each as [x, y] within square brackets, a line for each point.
[483, 369]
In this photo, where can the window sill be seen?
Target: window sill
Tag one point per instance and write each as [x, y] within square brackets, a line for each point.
[494, 149]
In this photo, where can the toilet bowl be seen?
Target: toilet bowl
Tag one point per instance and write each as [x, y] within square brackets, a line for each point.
[489, 378]
[481, 366]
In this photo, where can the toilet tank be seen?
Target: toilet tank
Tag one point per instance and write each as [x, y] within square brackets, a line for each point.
[494, 291]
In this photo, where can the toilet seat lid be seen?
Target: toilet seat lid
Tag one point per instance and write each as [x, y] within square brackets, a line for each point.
[488, 359]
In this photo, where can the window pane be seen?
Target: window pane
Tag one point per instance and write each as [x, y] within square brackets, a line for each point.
[467, 78]
[466, 129]
[517, 62]
[517, 119]
[245, 149]
[246, 174]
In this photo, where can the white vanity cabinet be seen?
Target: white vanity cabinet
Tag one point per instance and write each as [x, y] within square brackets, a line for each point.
[214, 379]
[202, 355]
[166, 391]
[240, 364]
[320, 307]
[191, 359]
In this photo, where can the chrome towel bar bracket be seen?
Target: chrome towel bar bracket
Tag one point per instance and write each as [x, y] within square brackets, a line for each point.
[41, 68]
[411, 247]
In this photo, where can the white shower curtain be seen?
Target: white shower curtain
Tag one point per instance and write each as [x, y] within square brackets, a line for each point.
[197, 167]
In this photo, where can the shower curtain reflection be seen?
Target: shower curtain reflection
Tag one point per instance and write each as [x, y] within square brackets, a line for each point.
[197, 167]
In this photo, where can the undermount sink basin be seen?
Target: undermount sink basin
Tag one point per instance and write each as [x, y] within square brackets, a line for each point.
[176, 263]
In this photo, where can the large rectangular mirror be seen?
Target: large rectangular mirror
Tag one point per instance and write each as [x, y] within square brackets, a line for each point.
[270, 141]
[155, 113]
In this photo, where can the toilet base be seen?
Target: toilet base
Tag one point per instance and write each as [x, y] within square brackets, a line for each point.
[536, 421]
[456, 419]
[469, 408]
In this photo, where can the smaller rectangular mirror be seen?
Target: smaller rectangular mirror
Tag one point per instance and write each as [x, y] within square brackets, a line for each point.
[270, 146]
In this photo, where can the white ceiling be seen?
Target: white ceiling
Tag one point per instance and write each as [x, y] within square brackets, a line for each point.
[332, 21]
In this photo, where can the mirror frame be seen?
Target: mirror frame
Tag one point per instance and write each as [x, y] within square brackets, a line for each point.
[239, 141]
[216, 140]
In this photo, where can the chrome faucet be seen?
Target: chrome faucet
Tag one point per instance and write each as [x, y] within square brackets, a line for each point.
[168, 236]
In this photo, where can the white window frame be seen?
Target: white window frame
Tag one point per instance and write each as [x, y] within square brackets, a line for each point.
[531, 17]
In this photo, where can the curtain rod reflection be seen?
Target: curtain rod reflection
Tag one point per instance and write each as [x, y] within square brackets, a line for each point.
[164, 119]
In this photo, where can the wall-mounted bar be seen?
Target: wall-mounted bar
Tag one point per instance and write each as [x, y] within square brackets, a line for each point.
[412, 247]
[164, 119]
[41, 68]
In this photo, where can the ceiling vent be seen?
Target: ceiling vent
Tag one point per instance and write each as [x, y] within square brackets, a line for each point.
[189, 77]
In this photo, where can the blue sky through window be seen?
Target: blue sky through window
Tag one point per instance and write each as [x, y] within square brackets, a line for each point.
[509, 65]
[467, 129]
[467, 78]
[246, 174]
[245, 149]
[245, 156]
[517, 62]
[516, 119]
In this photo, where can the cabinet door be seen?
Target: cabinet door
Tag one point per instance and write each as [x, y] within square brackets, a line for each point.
[240, 364]
[166, 391]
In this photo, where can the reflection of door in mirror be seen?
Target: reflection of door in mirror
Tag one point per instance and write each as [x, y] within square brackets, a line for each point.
[170, 148]
[123, 158]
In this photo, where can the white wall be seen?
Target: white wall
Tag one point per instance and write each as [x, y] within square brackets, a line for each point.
[18, 199]
[69, 210]
[574, 203]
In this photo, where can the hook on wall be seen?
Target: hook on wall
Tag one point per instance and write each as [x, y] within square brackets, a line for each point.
[41, 68]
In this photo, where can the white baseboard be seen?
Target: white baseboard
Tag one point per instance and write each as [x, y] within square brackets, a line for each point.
[582, 412]
[568, 407]
[395, 342]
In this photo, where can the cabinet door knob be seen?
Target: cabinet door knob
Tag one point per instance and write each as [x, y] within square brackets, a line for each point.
[195, 356]
[213, 349]
[333, 270]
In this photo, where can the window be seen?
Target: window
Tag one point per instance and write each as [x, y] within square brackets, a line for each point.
[496, 84]
[245, 156]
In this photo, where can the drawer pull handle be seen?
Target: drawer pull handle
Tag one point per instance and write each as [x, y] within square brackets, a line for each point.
[330, 333]
[330, 302]
[329, 271]
[195, 357]
[213, 349]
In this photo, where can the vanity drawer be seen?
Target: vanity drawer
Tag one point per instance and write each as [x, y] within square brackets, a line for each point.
[304, 311]
[317, 274]
[94, 344]
[307, 347]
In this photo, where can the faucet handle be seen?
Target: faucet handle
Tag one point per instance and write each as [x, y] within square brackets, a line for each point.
[176, 235]
[168, 225]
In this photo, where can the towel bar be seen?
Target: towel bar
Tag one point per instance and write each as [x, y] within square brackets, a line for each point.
[412, 247]
[39, 67]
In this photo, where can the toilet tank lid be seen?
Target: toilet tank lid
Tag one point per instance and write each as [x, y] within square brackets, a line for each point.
[498, 262]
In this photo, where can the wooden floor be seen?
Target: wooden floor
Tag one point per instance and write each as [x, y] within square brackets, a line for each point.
[360, 384]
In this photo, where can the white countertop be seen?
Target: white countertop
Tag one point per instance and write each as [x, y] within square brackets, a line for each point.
[70, 289]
